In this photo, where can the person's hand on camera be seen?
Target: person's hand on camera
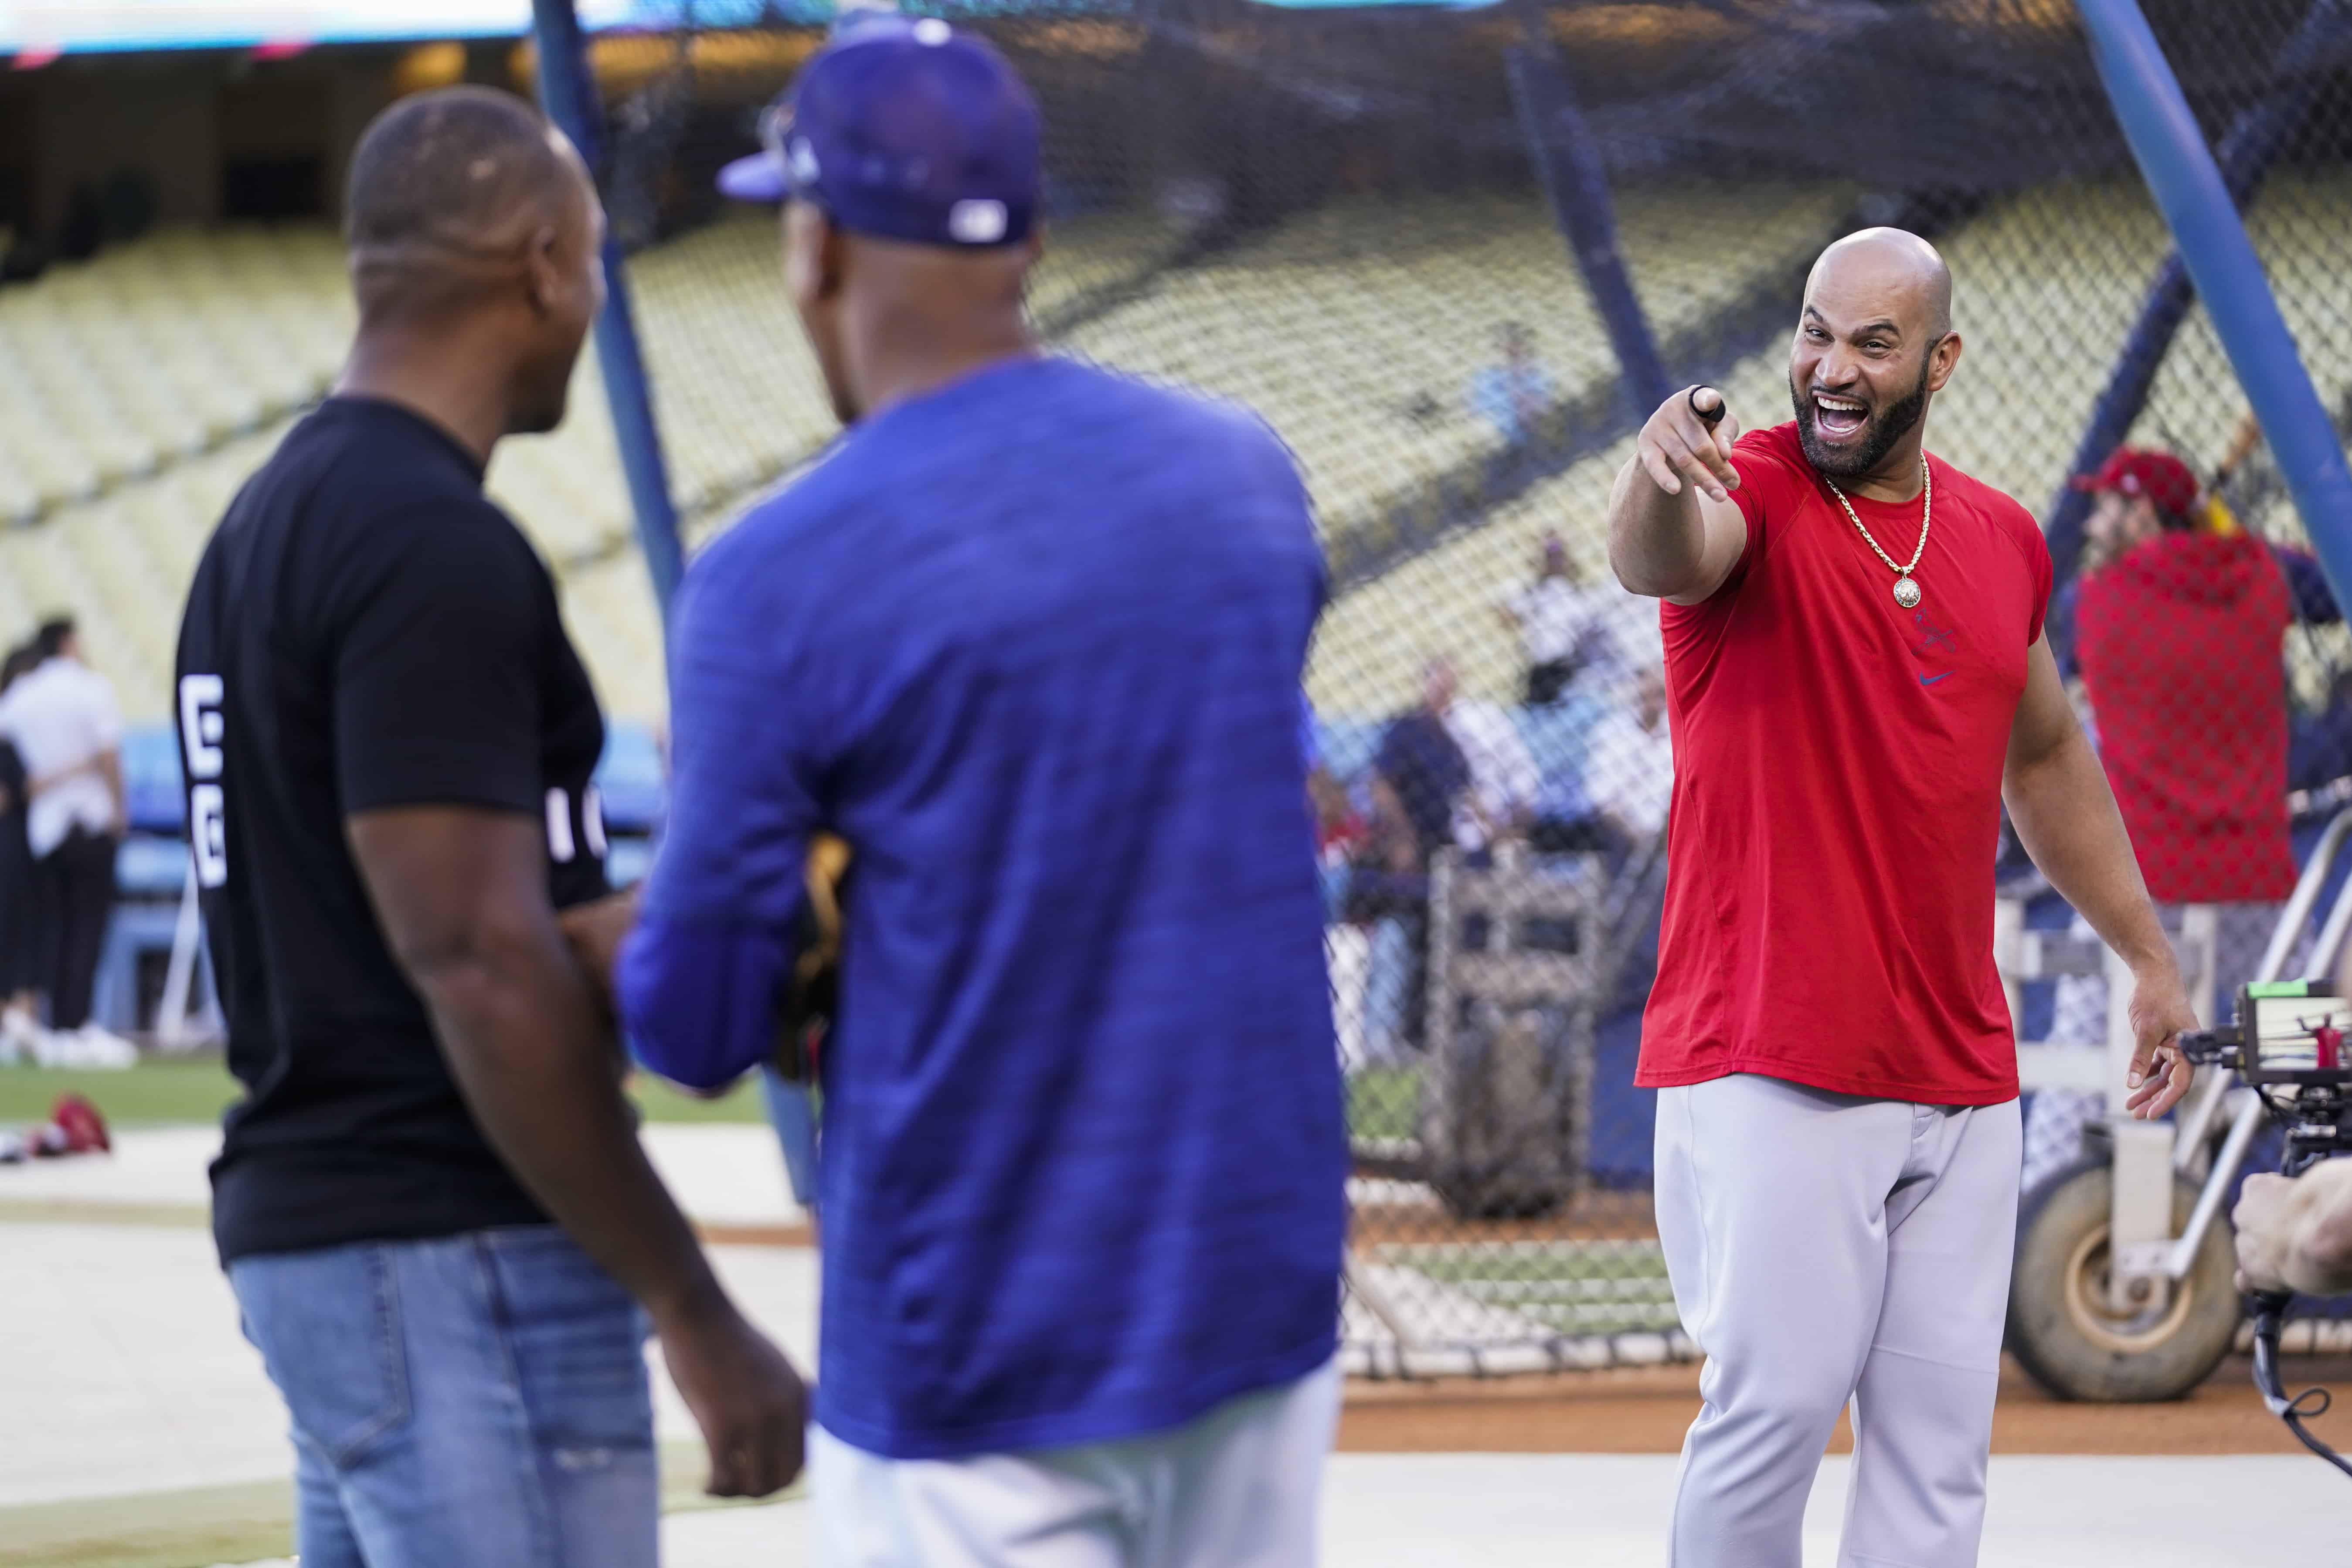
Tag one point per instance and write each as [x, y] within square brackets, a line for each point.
[2264, 1232]
[2296, 1233]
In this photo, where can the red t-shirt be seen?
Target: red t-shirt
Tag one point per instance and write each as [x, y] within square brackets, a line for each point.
[1837, 794]
[2180, 646]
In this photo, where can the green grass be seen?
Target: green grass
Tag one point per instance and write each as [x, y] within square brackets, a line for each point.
[660, 1103]
[188, 1091]
[228, 1523]
[1573, 1287]
[178, 1091]
[1384, 1101]
[174, 1091]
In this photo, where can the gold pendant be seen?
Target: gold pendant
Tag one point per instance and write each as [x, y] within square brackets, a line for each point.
[1906, 592]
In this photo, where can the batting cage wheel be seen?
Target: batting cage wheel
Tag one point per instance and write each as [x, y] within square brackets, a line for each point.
[2062, 1328]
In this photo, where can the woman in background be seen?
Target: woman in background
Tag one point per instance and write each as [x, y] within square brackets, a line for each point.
[19, 1027]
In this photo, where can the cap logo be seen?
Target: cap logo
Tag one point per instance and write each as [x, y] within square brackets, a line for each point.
[933, 31]
[978, 222]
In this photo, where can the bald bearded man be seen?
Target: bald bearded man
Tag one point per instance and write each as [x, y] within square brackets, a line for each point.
[1857, 680]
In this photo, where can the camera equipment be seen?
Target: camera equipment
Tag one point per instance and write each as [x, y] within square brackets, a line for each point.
[2288, 1045]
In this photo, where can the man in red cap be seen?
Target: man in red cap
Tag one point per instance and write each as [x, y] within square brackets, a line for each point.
[2177, 634]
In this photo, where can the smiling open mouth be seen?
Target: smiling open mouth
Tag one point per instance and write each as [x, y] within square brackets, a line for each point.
[1839, 419]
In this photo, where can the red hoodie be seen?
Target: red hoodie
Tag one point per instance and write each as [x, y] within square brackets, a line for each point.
[2180, 644]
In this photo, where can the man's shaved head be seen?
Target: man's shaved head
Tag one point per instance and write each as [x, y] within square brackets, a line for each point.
[1874, 345]
[1894, 263]
[447, 190]
[476, 239]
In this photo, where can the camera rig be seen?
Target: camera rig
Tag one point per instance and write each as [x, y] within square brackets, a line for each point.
[2290, 1043]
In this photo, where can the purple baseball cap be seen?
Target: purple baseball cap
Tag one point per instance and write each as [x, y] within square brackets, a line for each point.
[904, 129]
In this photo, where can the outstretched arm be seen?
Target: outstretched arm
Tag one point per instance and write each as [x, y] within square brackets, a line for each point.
[2066, 815]
[1673, 530]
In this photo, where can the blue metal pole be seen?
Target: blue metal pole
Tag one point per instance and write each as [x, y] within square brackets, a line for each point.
[570, 95]
[1576, 182]
[2247, 150]
[2188, 188]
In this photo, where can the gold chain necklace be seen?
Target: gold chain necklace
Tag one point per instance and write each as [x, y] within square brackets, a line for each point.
[1907, 592]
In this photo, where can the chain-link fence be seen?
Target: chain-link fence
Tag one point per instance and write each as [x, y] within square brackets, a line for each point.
[1359, 223]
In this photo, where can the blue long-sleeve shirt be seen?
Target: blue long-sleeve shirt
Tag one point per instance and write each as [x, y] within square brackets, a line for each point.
[1032, 644]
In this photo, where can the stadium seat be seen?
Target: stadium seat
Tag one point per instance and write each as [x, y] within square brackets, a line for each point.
[159, 375]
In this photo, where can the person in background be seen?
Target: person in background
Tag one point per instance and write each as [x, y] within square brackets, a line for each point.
[1607, 764]
[1451, 772]
[1512, 393]
[1550, 615]
[1630, 764]
[1340, 829]
[19, 1025]
[69, 734]
[1455, 769]
[2179, 635]
[1420, 777]
[1503, 780]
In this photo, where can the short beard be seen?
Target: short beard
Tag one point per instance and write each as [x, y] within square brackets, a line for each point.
[1879, 437]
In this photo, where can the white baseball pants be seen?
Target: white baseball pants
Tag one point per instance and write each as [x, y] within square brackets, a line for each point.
[1237, 1488]
[1826, 1248]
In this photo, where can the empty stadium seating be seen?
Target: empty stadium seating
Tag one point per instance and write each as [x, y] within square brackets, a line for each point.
[2038, 347]
[156, 351]
[157, 376]
[1357, 330]
[2042, 344]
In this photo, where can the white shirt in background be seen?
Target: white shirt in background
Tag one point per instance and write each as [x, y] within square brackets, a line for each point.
[1616, 632]
[1629, 771]
[59, 717]
[1503, 773]
[1552, 614]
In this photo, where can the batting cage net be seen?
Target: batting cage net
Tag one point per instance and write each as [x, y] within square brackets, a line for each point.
[1455, 257]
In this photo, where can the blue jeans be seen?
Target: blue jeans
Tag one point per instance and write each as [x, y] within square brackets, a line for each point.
[790, 1114]
[476, 1401]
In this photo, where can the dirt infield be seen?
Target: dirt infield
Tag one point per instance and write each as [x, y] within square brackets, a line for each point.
[1645, 1411]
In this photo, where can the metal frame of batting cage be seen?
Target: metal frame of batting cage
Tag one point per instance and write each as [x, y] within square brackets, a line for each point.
[1568, 168]
[2195, 195]
[2200, 197]
[568, 92]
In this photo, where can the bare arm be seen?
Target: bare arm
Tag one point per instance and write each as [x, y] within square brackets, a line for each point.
[461, 894]
[109, 768]
[2066, 816]
[1673, 530]
[2296, 1235]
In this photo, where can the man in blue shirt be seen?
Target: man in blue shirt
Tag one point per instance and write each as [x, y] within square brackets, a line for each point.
[1030, 638]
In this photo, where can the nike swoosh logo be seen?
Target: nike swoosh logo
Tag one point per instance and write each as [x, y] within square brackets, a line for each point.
[1931, 679]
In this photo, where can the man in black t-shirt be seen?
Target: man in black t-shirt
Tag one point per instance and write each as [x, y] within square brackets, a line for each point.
[431, 1201]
